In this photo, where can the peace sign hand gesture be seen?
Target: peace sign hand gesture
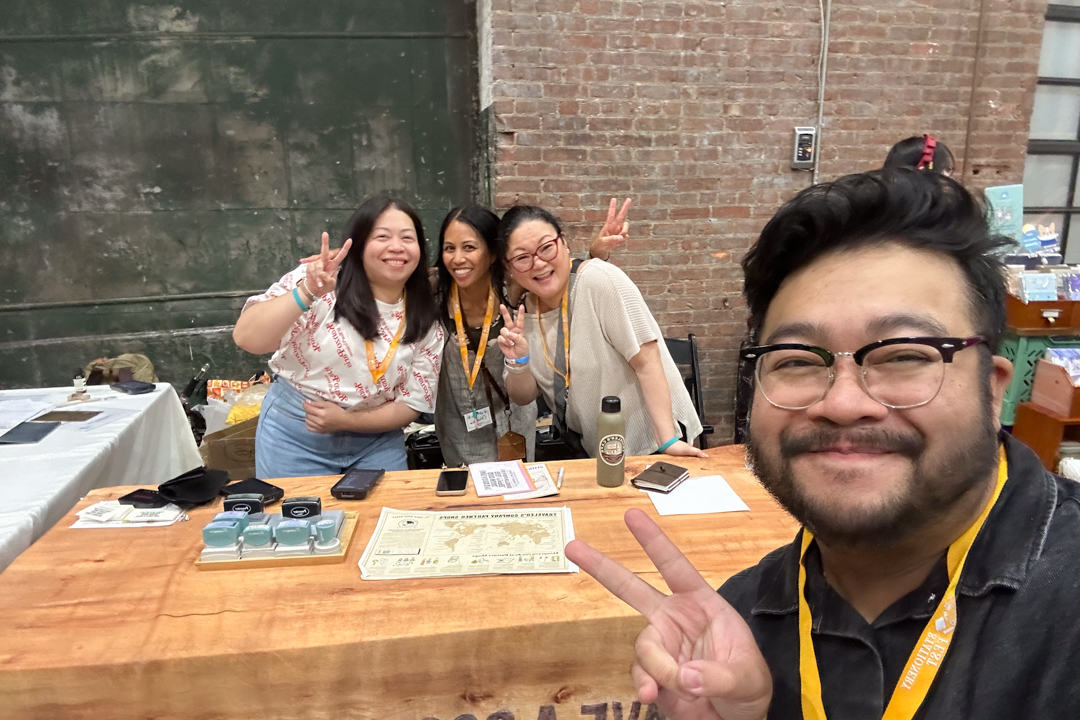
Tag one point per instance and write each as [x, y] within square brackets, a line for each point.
[614, 232]
[322, 269]
[697, 660]
[512, 337]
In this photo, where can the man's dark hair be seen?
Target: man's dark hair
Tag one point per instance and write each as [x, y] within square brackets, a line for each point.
[914, 209]
[486, 224]
[355, 300]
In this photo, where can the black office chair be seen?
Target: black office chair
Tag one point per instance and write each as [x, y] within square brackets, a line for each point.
[684, 352]
[744, 394]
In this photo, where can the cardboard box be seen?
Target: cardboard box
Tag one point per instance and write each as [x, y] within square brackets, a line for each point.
[1053, 389]
[231, 450]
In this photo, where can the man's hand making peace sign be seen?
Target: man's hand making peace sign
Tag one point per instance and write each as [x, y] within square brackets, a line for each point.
[697, 659]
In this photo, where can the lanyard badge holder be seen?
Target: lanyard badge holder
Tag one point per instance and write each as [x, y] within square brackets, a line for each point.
[476, 418]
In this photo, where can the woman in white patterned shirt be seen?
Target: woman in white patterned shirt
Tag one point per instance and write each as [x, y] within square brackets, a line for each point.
[356, 349]
[582, 336]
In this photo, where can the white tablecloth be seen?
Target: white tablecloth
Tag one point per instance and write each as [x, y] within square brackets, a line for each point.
[138, 440]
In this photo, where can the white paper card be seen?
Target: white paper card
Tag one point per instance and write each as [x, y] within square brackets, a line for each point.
[698, 496]
[111, 514]
[500, 478]
[477, 419]
[545, 485]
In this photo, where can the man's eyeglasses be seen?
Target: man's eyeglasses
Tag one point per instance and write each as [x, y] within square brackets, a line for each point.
[899, 373]
[546, 252]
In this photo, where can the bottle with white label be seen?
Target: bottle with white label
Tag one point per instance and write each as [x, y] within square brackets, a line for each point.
[611, 450]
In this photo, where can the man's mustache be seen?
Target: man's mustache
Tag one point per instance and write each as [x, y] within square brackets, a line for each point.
[864, 440]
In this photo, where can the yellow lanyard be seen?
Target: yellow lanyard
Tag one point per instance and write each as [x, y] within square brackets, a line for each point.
[929, 653]
[566, 337]
[379, 369]
[462, 340]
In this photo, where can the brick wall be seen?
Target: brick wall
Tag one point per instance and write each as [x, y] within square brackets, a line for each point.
[688, 108]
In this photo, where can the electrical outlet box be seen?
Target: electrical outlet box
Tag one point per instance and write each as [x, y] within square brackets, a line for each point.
[802, 154]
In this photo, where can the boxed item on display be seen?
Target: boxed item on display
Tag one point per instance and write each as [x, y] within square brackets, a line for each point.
[1056, 386]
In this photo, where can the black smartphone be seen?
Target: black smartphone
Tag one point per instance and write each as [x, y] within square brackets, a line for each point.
[270, 493]
[452, 482]
[144, 498]
[356, 484]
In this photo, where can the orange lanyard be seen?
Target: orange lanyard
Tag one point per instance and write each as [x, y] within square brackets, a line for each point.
[462, 340]
[566, 337]
[379, 369]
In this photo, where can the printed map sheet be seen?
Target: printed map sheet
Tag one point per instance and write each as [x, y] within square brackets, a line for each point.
[502, 541]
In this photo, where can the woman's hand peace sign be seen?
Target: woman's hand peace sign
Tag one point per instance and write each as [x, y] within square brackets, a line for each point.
[322, 269]
[697, 659]
[613, 233]
[512, 337]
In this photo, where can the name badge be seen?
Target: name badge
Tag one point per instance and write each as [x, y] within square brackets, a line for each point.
[477, 419]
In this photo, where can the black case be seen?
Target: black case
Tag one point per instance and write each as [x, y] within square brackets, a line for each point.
[28, 432]
[144, 498]
[270, 493]
[356, 484]
[134, 387]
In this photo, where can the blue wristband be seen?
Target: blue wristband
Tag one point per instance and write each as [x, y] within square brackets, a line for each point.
[668, 444]
[518, 361]
[296, 297]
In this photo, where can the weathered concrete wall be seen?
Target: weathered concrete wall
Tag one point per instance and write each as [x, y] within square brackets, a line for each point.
[189, 152]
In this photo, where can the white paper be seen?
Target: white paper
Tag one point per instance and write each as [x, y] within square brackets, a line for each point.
[698, 496]
[111, 514]
[104, 417]
[13, 412]
[500, 478]
[545, 486]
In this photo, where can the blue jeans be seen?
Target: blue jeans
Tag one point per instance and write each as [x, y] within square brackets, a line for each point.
[284, 447]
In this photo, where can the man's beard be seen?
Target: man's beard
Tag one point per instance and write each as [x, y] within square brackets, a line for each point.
[933, 488]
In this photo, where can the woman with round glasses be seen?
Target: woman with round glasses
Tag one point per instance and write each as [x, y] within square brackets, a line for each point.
[584, 335]
[475, 420]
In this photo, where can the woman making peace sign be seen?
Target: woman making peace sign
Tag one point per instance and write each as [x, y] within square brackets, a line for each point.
[474, 418]
[356, 349]
[580, 337]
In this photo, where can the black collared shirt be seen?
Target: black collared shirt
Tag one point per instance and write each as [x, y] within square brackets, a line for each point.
[1016, 652]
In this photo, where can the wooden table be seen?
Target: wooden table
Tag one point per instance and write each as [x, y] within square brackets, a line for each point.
[119, 624]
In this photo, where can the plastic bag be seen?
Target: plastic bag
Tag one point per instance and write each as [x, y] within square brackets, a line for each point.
[247, 404]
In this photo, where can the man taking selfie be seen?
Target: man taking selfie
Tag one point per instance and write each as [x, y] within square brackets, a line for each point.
[937, 573]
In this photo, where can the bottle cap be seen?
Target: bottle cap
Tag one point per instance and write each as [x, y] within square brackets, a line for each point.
[611, 404]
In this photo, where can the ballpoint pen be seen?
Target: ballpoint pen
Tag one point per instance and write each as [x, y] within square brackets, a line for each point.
[558, 483]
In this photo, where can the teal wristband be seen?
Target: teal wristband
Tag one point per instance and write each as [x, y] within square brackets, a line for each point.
[518, 361]
[300, 302]
[668, 444]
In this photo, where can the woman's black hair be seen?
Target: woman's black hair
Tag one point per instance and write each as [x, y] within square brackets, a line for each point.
[519, 214]
[909, 152]
[486, 224]
[355, 300]
[914, 209]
